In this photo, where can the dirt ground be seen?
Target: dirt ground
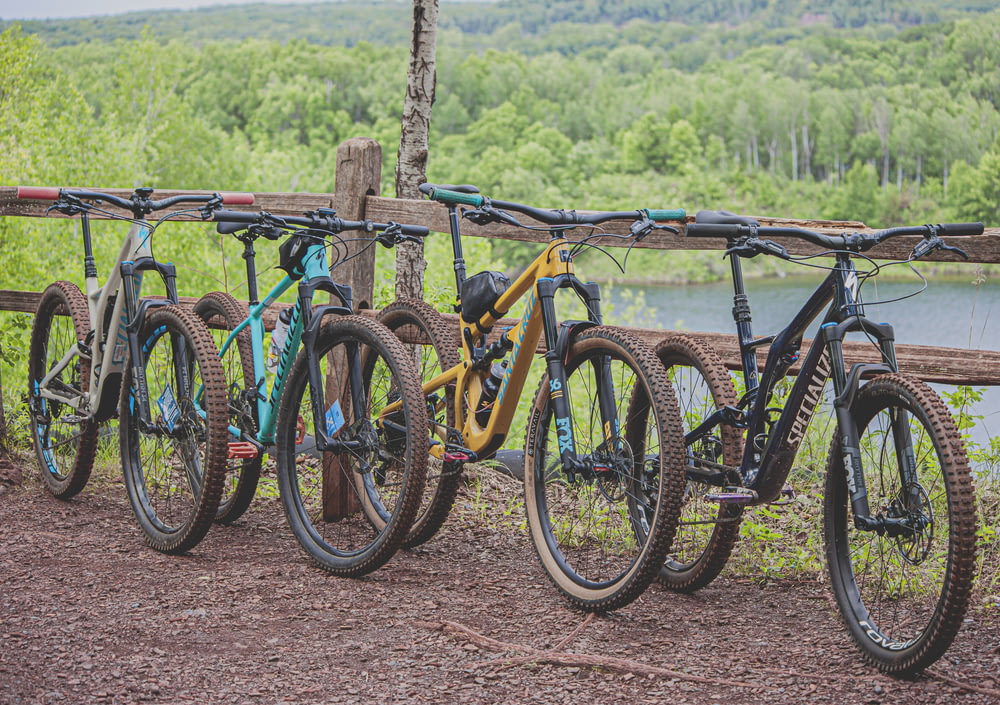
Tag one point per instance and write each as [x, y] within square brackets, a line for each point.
[88, 614]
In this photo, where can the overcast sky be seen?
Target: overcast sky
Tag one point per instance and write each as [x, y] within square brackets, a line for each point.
[44, 9]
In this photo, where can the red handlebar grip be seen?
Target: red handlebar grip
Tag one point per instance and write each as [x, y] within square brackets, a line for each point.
[38, 193]
[237, 199]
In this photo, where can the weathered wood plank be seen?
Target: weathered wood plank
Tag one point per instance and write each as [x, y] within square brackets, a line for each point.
[359, 174]
[359, 171]
[984, 249]
[27, 302]
[10, 204]
[929, 363]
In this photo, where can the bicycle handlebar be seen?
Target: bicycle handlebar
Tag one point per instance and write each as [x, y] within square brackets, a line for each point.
[470, 196]
[322, 219]
[138, 203]
[733, 228]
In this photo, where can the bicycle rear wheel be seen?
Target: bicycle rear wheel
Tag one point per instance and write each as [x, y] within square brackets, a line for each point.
[242, 474]
[707, 530]
[175, 463]
[902, 589]
[411, 318]
[351, 507]
[602, 533]
[65, 439]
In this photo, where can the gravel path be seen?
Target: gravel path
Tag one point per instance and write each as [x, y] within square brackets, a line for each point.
[88, 614]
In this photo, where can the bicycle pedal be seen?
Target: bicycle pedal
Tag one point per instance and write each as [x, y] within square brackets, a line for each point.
[457, 454]
[787, 495]
[732, 495]
[242, 449]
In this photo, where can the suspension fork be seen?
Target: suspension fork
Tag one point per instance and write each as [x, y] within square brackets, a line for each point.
[602, 372]
[846, 386]
[558, 401]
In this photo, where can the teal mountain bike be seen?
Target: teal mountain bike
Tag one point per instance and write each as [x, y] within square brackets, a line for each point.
[350, 479]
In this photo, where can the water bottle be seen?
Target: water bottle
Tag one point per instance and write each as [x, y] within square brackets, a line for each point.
[490, 387]
[278, 336]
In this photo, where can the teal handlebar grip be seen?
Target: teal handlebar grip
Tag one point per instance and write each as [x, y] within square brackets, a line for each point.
[658, 215]
[468, 199]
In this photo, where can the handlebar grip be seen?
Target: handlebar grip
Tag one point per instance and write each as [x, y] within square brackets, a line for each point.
[658, 215]
[960, 229]
[445, 196]
[237, 199]
[38, 193]
[415, 230]
[725, 230]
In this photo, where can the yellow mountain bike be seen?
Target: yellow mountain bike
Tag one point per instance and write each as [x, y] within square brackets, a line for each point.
[604, 447]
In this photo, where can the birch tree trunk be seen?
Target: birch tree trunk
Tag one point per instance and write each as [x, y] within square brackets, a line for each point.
[411, 167]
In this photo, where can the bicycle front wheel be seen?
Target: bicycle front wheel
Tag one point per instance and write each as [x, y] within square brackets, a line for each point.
[173, 442]
[902, 586]
[65, 438]
[438, 351]
[603, 531]
[242, 474]
[707, 530]
[350, 507]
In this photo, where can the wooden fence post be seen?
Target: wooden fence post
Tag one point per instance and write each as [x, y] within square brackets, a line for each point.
[359, 175]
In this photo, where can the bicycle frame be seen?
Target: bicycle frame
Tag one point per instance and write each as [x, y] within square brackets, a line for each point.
[770, 451]
[116, 312]
[304, 325]
[551, 270]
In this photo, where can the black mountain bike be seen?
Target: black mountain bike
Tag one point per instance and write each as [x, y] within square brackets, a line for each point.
[899, 513]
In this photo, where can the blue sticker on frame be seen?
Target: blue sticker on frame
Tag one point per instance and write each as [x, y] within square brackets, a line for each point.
[334, 419]
[168, 407]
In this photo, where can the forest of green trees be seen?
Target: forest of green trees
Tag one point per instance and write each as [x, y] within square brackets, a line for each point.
[887, 123]
[886, 111]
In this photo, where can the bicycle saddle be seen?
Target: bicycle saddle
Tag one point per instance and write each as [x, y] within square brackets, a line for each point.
[723, 218]
[460, 188]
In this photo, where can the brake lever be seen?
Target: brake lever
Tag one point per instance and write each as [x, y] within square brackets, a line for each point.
[957, 250]
[770, 247]
[741, 249]
[641, 228]
[486, 214]
[928, 245]
[753, 246]
[65, 208]
[390, 236]
[479, 216]
[269, 232]
[67, 205]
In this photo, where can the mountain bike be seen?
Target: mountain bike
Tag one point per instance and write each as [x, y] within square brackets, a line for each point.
[600, 516]
[899, 515]
[350, 478]
[109, 353]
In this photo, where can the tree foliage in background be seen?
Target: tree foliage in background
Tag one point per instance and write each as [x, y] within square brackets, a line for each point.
[886, 112]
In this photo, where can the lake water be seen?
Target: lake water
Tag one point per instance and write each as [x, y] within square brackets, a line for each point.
[949, 313]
